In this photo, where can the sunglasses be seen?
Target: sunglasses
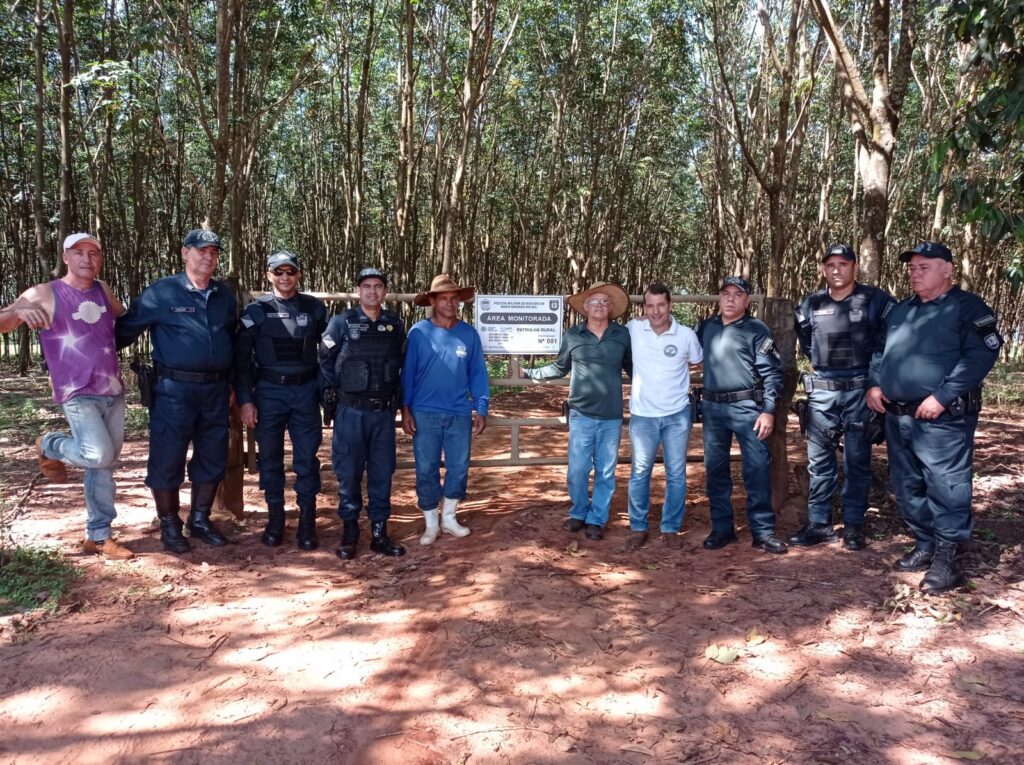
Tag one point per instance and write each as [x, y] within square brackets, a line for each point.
[284, 272]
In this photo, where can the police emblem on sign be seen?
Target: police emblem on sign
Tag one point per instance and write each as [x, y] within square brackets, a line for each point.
[553, 305]
[302, 319]
[671, 350]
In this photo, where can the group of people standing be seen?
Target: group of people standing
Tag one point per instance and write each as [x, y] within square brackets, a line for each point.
[919, 362]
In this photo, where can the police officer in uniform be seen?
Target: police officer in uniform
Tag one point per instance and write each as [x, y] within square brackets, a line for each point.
[940, 344]
[191, 318]
[277, 384]
[839, 328]
[742, 382]
[361, 359]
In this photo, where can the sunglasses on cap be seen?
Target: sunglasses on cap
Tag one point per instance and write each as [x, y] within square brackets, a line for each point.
[284, 272]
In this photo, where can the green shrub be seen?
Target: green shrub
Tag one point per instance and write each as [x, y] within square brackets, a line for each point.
[31, 577]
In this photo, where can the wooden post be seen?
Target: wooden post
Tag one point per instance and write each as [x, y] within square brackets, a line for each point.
[778, 315]
[229, 495]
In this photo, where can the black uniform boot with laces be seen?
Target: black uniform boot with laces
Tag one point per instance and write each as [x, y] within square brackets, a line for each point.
[349, 539]
[918, 559]
[381, 543]
[946, 572]
[167, 510]
[813, 534]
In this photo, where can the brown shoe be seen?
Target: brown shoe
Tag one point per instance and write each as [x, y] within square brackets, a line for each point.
[108, 548]
[636, 540]
[54, 470]
[671, 540]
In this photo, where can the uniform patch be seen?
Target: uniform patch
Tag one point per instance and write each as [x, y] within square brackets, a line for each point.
[279, 315]
[354, 331]
[993, 341]
[766, 347]
[183, 309]
[856, 315]
[985, 321]
[328, 341]
[381, 328]
[670, 351]
[247, 322]
[302, 319]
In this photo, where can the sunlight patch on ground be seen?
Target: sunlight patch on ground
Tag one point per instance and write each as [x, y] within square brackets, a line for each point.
[27, 705]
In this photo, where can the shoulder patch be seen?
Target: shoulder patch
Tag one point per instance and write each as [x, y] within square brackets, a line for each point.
[328, 341]
[985, 321]
[767, 346]
[247, 322]
[993, 341]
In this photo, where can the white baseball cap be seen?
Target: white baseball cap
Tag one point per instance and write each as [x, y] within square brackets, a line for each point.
[72, 239]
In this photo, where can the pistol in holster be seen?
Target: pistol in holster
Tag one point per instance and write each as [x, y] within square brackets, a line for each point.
[145, 376]
[330, 405]
[696, 397]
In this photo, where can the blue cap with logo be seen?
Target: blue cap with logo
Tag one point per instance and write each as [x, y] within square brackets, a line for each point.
[736, 281]
[371, 273]
[283, 258]
[202, 237]
[842, 250]
[928, 250]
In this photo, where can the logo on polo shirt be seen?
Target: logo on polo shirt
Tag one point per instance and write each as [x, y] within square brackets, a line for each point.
[671, 350]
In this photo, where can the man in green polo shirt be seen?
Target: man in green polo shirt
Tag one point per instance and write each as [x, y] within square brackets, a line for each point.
[595, 351]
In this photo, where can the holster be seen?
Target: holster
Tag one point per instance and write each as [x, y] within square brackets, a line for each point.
[803, 414]
[330, 405]
[145, 376]
[696, 397]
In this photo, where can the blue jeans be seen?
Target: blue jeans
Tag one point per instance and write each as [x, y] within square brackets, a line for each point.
[365, 442]
[833, 411]
[931, 467]
[593, 446]
[645, 433]
[437, 432]
[721, 422]
[97, 433]
[297, 408]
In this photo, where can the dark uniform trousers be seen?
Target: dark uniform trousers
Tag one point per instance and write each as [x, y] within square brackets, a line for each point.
[183, 413]
[930, 466]
[835, 414]
[364, 438]
[297, 408]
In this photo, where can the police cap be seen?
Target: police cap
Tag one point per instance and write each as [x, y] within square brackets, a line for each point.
[283, 258]
[736, 281]
[842, 250]
[928, 250]
[371, 273]
[202, 237]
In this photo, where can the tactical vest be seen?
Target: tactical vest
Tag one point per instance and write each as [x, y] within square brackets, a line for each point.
[370, 360]
[843, 333]
[290, 334]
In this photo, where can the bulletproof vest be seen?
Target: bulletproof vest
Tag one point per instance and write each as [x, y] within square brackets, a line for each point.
[370, 360]
[843, 332]
[290, 334]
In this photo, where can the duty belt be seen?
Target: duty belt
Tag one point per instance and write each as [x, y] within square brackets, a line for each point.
[369, 404]
[182, 375]
[834, 383]
[298, 379]
[968, 403]
[751, 394]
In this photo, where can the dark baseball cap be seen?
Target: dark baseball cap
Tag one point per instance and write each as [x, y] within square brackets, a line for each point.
[371, 273]
[283, 258]
[842, 250]
[202, 237]
[928, 250]
[736, 281]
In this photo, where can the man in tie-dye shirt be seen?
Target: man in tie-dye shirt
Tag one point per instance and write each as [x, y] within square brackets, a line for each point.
[75, 318]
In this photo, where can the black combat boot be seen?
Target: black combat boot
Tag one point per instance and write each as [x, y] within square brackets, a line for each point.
[918, 559]
[167, 510]
[813, 534]
[349, 539]
[273, 532]
[305, 538]
[381, 543]
[853, 536]
[199, 524]
[945, 573]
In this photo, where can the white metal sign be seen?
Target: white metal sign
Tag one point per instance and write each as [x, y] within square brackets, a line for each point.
[519, 323]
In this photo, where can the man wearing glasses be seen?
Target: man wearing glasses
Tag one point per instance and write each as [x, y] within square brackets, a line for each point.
[596, 351]
[940, 345]
[277, 385]
[191, 318]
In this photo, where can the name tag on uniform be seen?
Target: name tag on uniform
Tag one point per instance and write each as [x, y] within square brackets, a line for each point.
[183, 309]
[824, 311]
[283, 315]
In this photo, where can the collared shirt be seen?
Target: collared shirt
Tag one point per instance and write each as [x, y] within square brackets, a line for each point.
[191, 330]
[595, 389]
[661, 368]
[739, 356]
[943, 347]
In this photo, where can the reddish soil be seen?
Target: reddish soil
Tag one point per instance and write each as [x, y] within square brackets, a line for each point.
[520, 643]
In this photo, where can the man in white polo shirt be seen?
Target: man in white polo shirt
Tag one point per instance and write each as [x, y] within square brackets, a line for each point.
[659, 413]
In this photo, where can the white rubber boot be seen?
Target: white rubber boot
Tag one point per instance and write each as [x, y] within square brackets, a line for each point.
[433, 529]
[448, 523]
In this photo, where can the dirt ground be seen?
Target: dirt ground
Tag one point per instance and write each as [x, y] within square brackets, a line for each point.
[520, 643]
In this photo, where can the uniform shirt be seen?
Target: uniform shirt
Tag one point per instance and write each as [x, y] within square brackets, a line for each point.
[944, 348]
[268, 318]
[345, 335]
[595, 389]
[661, 368]
[191, 330]
[444, 370]
[740, 356]
[841, 336]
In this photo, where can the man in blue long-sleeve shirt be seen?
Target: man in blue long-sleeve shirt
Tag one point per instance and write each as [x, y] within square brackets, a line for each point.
[446, 393]
[940, 344]
[191, 319]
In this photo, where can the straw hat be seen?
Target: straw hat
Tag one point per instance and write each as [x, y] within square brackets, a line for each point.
[444, 283]
[615, 293]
